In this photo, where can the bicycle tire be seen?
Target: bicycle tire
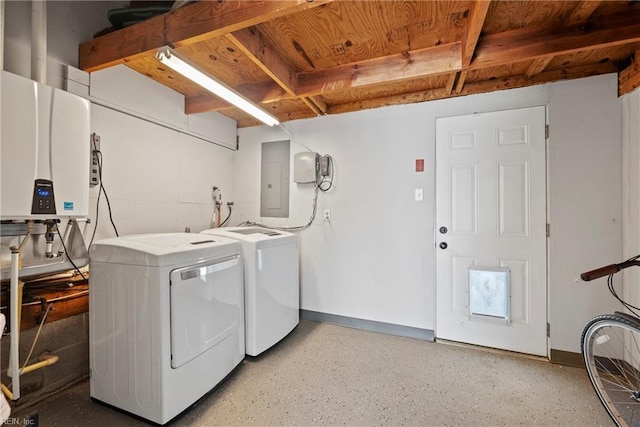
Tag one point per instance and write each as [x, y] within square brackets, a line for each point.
[610, 346]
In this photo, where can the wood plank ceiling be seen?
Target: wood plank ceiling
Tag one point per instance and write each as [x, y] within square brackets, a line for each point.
[300, 58]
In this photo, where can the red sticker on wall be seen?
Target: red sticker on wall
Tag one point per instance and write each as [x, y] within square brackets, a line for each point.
[419, 165]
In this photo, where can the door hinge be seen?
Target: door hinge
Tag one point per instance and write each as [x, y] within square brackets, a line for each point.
[548, 330]
[548, 230]
[546, 131]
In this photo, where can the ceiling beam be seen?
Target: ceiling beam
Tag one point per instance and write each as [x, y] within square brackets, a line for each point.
[537, 66]
[451, 81]
[477, 14]
[579, 16]
[313, 107]
[190, 24]
[442, 59]
[582, 12]
[475, 88]
[319, 102]
[260, 93]
[405, 98]
[250, 42]
[629, 78]
[461, 81]
[544, 77]
[249, 121]
[528, 43]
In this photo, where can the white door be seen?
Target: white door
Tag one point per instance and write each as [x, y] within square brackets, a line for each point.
[491, 213]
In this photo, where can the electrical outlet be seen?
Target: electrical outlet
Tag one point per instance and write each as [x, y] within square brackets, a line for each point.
[327, 215]
[94, 166]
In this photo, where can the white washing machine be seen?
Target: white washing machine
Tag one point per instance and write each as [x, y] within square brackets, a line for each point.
[166, 320]
[271, 283]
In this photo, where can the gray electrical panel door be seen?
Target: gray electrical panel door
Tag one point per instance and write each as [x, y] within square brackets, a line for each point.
[274, 179]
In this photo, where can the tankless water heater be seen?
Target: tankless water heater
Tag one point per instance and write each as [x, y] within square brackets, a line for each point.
[44, 151]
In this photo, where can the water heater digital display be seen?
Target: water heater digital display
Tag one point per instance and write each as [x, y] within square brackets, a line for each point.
[43, 200]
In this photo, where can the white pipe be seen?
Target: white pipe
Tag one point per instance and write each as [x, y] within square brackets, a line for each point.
[39, 41]
[14, 366]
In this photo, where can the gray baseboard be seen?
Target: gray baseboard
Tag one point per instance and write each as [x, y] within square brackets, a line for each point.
[566, 358]
[369, 325]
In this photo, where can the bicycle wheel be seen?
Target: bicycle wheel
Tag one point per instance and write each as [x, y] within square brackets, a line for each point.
[611, 350]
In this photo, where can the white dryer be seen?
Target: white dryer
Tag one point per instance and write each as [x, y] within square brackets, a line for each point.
[166, 320]
[271, 283]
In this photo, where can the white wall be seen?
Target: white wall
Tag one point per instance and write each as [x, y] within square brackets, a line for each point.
[376, 259]
[157, 179]
[585, 158]
[68, 24]
[631, 192]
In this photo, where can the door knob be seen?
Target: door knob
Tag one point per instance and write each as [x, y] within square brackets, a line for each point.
[443, 245]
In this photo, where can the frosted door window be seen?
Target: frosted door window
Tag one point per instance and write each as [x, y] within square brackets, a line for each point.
[489, 293]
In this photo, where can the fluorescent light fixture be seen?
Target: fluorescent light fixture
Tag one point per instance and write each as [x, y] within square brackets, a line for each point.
[167, 56]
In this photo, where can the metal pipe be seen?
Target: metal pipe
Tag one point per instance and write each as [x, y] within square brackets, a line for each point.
[39, 41]
[14, 365]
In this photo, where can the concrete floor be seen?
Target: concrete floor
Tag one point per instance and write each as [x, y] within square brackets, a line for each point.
[323, 374]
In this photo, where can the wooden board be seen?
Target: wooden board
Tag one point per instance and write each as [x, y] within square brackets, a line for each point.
[347, 32]
[510, 15]
[66, 300]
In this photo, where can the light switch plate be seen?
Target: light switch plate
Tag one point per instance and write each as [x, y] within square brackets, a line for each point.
[418, 195]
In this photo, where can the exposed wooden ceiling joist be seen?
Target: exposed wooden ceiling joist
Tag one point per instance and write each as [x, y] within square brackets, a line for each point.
[533, 42]
[629, 78]
[451, 81]
[475, 88]
[402, 66]
[260, 93]
[299, 60]
[190, 24]
[582, 12]
[537, 66]
[260, 52]
[477, 14]
[579, 16]
[461, 80]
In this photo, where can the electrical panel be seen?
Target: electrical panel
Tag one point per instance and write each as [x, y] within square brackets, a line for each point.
[45, 149]
[305, 167]
[275, 179]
